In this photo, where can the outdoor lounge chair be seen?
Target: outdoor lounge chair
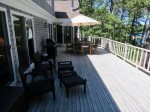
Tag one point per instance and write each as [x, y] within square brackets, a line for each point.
[37, 87]
[64, 66]
[72, 79]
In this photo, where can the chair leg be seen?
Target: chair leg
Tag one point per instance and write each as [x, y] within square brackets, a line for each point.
[58, 74]
[54, 97]
[67, 92]
[54, 59]
[26, 100]
[84, 86]
[32, 79]
[60, 83]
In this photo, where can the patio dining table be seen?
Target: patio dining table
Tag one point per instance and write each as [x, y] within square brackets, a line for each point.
[82, 46]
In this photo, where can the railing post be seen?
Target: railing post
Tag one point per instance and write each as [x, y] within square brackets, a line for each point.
[141, 58]
[110, 45]
[137, 59]
[101, 42]
[126, 50]
[63, 36]
[88, 38]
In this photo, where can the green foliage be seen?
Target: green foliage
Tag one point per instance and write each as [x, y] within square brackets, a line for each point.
[120, 22]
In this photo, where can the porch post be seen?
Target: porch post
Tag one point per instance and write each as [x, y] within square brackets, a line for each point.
[62, 34]
[78, 32]
[73, 33]
[56, 31]
[126, 51]
[53, 31]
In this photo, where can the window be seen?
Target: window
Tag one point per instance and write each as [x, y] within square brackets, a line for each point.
[50, 31]
[6, 72]
[21, 40]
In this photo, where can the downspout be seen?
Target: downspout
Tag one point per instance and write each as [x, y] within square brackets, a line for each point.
[72, 5]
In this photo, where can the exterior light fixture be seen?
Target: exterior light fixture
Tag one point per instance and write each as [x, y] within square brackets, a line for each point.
[46, 24]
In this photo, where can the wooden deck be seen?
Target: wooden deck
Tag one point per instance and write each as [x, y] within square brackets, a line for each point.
[112, 86]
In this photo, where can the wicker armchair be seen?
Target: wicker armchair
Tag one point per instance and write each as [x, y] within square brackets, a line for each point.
[37, 87]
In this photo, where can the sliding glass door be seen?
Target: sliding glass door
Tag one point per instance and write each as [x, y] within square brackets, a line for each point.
[21, 40]
[6, 72]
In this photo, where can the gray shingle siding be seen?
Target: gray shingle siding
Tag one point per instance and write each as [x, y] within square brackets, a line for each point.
[43, 4]
[11, 39]
[41, 33]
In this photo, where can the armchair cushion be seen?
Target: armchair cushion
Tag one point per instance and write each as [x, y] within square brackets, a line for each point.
[64, 66]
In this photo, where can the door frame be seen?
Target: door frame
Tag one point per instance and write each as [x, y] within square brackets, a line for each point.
[13, 30]
[12, 64]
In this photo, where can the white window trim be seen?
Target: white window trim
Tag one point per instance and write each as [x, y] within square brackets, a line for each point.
[34, 35]
[30, 7]
[9, 40]
[20, 14]
[49, 2]
[28, 17]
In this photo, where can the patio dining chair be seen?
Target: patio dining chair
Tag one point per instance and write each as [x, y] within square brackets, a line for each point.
[77, 47]
[69, 47]
[86, 47]
[95, 45]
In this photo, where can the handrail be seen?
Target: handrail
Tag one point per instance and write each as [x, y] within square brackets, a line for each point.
[138, 57]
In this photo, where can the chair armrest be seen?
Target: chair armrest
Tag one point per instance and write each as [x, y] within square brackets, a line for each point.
[29, 73]
[49, 73]
[26, 74]
[67, 73]
[51, 81]
[50, 63]
[65, 62]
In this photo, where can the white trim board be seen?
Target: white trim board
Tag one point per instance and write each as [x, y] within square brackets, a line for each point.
[30, 7]
[26, 16]
[20, 14]
[61, 21]
[3, 9]
[11, 52]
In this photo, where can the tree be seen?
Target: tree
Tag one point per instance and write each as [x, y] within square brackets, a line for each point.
[120, 18]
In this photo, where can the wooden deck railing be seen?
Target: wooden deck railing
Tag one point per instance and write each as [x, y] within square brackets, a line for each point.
[137, 56]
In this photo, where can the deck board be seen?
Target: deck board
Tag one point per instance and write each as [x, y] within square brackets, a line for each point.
[113, 85]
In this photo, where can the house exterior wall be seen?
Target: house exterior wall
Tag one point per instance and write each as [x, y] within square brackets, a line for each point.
[46, 4]
[39, 18]
[41, 33]
[64, 11]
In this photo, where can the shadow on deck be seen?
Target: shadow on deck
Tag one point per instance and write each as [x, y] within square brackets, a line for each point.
[97, 97]
[112, 86]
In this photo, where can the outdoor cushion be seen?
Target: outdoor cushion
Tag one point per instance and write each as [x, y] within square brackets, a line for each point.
[72, 79]
[64, 66]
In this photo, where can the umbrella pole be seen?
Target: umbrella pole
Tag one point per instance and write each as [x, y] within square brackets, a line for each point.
[78, 32]
[73, 33]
